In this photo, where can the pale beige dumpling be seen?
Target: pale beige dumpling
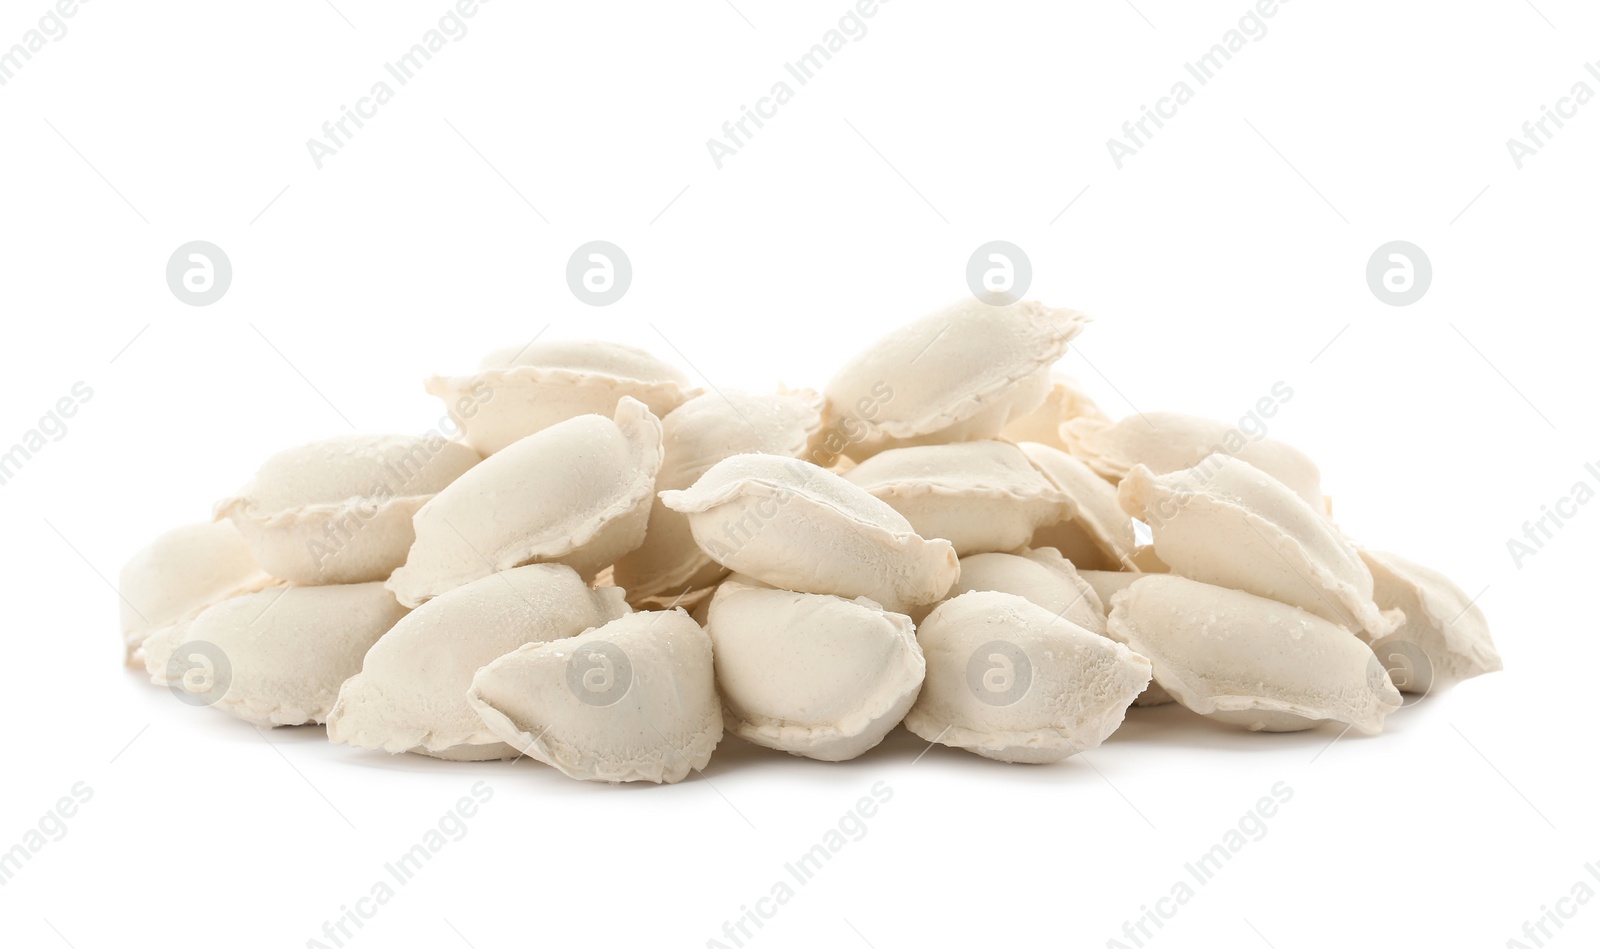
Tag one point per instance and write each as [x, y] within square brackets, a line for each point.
[1009, 680]
[1442, 623]
[958, 374]
[1249, 661]
[695, 436]
[339, 510]
[633, 700]
[799, 527]
[1042, 577]
[1095, 533]
[980, 496]
[576, 493]
[1226, 523]
[411, 692]
[1065, 401]
[1168, 441]
[277, 656]
[180, 573]
[814, 675]
[520, 390]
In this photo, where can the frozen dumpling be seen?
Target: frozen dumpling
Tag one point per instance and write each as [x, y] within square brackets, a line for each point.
[180, 573]
[696, 435]
[958, 374]
[1250, 661]
[524, 389]
[1009, 680]
[814, 675]
[633, 700]
[799, 527]
[339, 510]
[982, 496]
[576, 493]
[277, 656]
[411, 692]
[1226, 523]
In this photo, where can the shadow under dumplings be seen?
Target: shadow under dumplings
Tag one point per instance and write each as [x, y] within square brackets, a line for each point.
[1178, 727]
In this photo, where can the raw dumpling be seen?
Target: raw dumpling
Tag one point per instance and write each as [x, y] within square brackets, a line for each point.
[576, 493]
[339, 510]
[520, 390]
[1042, 577]
[1167, 441]
[814, 675]
[695, 436]
[179, 574]
[981, 496]
[1066, 401]
[1441, 622]
[634, 700]
[411, 692]
[1249, 661]
[1226, 523]
[1009, 680]
[1095, 533]
[798, 527]
[958, 374]
[275, 657]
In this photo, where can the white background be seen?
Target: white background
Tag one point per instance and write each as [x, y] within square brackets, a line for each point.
[1226, 255]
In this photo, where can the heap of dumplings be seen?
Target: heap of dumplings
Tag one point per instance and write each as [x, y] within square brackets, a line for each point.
[604, 568]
